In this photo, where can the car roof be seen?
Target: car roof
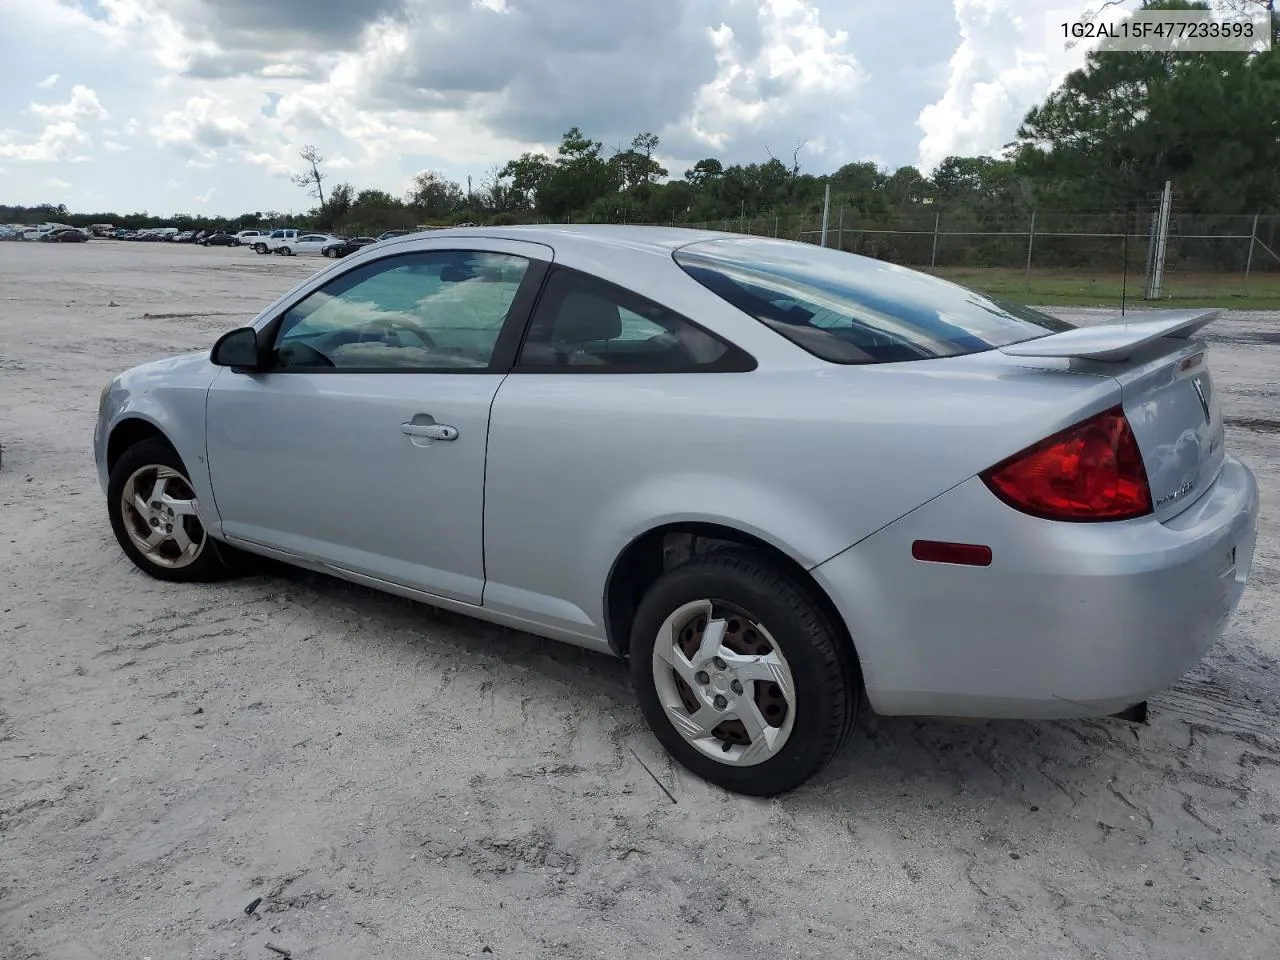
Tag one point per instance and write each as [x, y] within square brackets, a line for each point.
[586, 236]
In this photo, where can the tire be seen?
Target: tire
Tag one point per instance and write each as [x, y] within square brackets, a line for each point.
[329, 253]
[765, 612]
[285, 252]
[259, 248]
[134, 476]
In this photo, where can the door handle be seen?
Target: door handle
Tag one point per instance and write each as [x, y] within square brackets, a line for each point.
[429, 431]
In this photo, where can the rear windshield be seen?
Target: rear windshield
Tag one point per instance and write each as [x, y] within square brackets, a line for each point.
[850, 309]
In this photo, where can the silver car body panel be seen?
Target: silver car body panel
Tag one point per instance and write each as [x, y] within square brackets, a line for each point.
[840, 468]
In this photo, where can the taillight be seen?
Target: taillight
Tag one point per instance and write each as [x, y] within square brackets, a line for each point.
[1089, 472]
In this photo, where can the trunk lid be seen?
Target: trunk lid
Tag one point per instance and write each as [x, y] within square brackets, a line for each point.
[1167, 392]
[1173, 409]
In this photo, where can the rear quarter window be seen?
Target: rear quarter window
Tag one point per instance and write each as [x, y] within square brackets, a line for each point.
[845, 308]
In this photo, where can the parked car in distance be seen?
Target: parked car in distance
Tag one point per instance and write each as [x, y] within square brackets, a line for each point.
[39, 232]
[306, 243]
[393, 234]
[247, 237]
[271, 242]
[341, 248]
[221, 240]
[780, 479]
[66, 235]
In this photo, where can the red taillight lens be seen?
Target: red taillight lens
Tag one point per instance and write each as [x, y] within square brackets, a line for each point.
[1089, 472]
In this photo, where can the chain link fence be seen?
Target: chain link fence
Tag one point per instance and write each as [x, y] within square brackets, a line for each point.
[1057, 256]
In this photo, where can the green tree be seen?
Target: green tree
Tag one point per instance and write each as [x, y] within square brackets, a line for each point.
[434, 197]
[528, 174]
[1124, 123]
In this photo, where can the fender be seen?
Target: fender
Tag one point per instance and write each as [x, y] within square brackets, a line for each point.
[170, 397]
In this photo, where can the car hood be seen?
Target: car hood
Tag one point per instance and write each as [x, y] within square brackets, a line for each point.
[190, 369]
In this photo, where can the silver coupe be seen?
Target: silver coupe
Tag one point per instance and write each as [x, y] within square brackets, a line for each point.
[781, 480]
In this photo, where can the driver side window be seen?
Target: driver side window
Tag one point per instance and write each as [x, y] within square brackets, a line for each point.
[437, 310]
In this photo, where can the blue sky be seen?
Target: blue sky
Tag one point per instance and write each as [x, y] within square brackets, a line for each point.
[202, 105]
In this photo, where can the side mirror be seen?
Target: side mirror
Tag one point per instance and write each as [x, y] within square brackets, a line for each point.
[237, 349]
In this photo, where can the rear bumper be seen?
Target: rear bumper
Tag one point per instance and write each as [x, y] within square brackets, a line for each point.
[1068, 620]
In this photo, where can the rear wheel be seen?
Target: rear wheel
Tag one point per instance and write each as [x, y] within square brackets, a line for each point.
[155, 516]
[259, 248]
[741, 675]
[285, 252]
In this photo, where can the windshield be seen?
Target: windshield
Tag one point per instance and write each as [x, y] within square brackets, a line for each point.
[851, 309]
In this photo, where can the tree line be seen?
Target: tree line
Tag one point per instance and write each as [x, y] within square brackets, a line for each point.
[1102, 145]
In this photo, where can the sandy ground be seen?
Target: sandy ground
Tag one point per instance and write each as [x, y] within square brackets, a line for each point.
[395, 782]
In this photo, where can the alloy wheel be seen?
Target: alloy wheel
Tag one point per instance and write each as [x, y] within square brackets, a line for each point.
[160, 516]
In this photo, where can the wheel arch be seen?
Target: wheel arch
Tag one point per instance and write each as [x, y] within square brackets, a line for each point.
[652, 553]
[129, 431]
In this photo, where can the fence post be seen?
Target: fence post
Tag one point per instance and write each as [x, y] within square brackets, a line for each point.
[1031, 239]
[840, 230]
[775, 227]
[933, 257]
[826, 212]
[1253, 238]
[1162, 241]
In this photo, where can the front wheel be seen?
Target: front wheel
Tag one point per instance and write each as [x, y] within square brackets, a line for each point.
[285, 252]
[259, 248]
[741, 675]
[155, 516]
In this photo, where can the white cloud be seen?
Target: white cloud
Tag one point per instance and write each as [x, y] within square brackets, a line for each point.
[204, 198]
[795, 61]
[114, 146]
[276, 166]
[57, 184]
[58, 141]
[83, 105]
[48, 81]
[201, 128]
[285, 70]
[1003, 66]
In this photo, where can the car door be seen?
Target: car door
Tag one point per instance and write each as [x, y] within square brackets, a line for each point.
[583, 442]
[363, 443]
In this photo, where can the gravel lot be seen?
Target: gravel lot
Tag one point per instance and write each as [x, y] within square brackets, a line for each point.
[397, 782]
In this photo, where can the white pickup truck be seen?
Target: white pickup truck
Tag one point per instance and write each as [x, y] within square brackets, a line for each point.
[274, 240]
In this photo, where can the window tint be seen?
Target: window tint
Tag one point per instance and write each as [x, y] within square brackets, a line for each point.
[850, 309]
[583, 322]
[437, 310]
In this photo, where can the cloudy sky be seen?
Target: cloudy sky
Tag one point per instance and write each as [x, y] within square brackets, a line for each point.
[202, 105]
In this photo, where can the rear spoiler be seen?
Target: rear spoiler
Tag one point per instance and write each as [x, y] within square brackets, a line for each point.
[1115, 339]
